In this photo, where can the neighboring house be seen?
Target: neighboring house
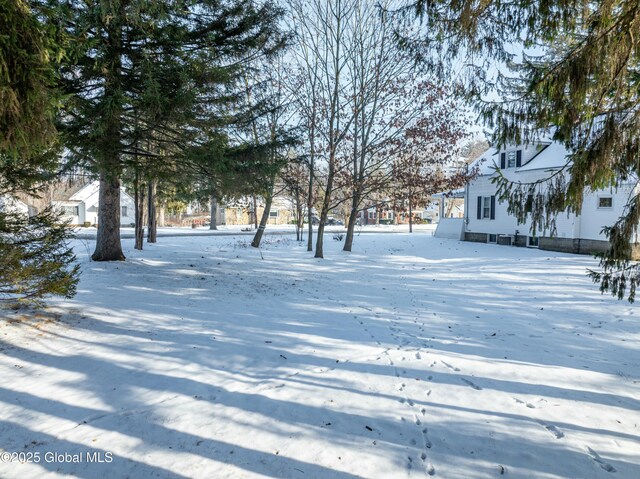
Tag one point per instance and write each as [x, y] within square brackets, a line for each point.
[487, 219]
[282, 212]
[80, 205]
[13, 205]
[376, 215]
[449, 205]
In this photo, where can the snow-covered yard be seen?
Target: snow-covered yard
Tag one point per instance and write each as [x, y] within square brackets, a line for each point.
[413, 356]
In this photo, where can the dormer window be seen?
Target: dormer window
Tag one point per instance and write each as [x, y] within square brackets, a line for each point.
[511, 159]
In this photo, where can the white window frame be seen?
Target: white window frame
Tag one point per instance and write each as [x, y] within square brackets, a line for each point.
[272, 215]
[537, 241]
[124, 211]
[75, 210]
[486, 207]
[495, 238]
[511, 159]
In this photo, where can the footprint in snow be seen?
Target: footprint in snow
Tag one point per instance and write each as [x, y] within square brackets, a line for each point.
[453, 368]
[598, 460]
[528, 404]
[471, 384]
[427, 441]
[553, 430]
[431, 471]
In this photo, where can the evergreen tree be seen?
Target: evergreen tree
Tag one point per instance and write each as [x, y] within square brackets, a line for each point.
[36, 260]
[584, 87]
[152, 71]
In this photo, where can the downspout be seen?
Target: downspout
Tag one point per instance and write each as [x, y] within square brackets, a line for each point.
[466, 212]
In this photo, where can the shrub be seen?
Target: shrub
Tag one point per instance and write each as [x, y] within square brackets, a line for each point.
[36, 258]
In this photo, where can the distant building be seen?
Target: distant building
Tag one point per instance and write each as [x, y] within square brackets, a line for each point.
[241, 212]
[79, 205]
[14, 205]
[440, 206]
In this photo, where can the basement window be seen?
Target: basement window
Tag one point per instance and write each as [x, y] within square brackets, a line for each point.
[493, 238]
[605, 202]
[533, 242]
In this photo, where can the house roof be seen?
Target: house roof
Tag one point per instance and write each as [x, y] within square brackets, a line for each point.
[487, 161]
[89, 189]
[86, 191]
[11, 203]
[552, 156]
[459, 193]
[65, 191]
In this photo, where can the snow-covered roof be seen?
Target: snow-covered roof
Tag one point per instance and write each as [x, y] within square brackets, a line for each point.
[86, 191]
[553, 156]
[459, 193]
[12, 204]
[487, 161]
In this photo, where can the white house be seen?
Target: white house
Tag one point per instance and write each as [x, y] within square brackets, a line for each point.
[487, 220]
[13, 205]
[81, 207]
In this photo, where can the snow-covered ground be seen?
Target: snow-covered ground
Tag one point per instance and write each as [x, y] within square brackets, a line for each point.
[249, 230]
[411, 357]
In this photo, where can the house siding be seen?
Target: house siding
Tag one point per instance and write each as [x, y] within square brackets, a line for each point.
[573, 233]
[87, 200]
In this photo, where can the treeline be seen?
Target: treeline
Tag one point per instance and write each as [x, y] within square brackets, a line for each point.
[212, 99]
[341, 102]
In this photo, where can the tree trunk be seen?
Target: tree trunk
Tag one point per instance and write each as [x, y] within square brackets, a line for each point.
[301, 218]
[326, 203]
[255, 212]
[108, 245]
[161, 216]
[410, 215]
[263, 221]
[214, 212]
[310, 227]
[298, 215]
[139, 212]
[351, 225]
[320, 240]
[310, 203]
[152, 234]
